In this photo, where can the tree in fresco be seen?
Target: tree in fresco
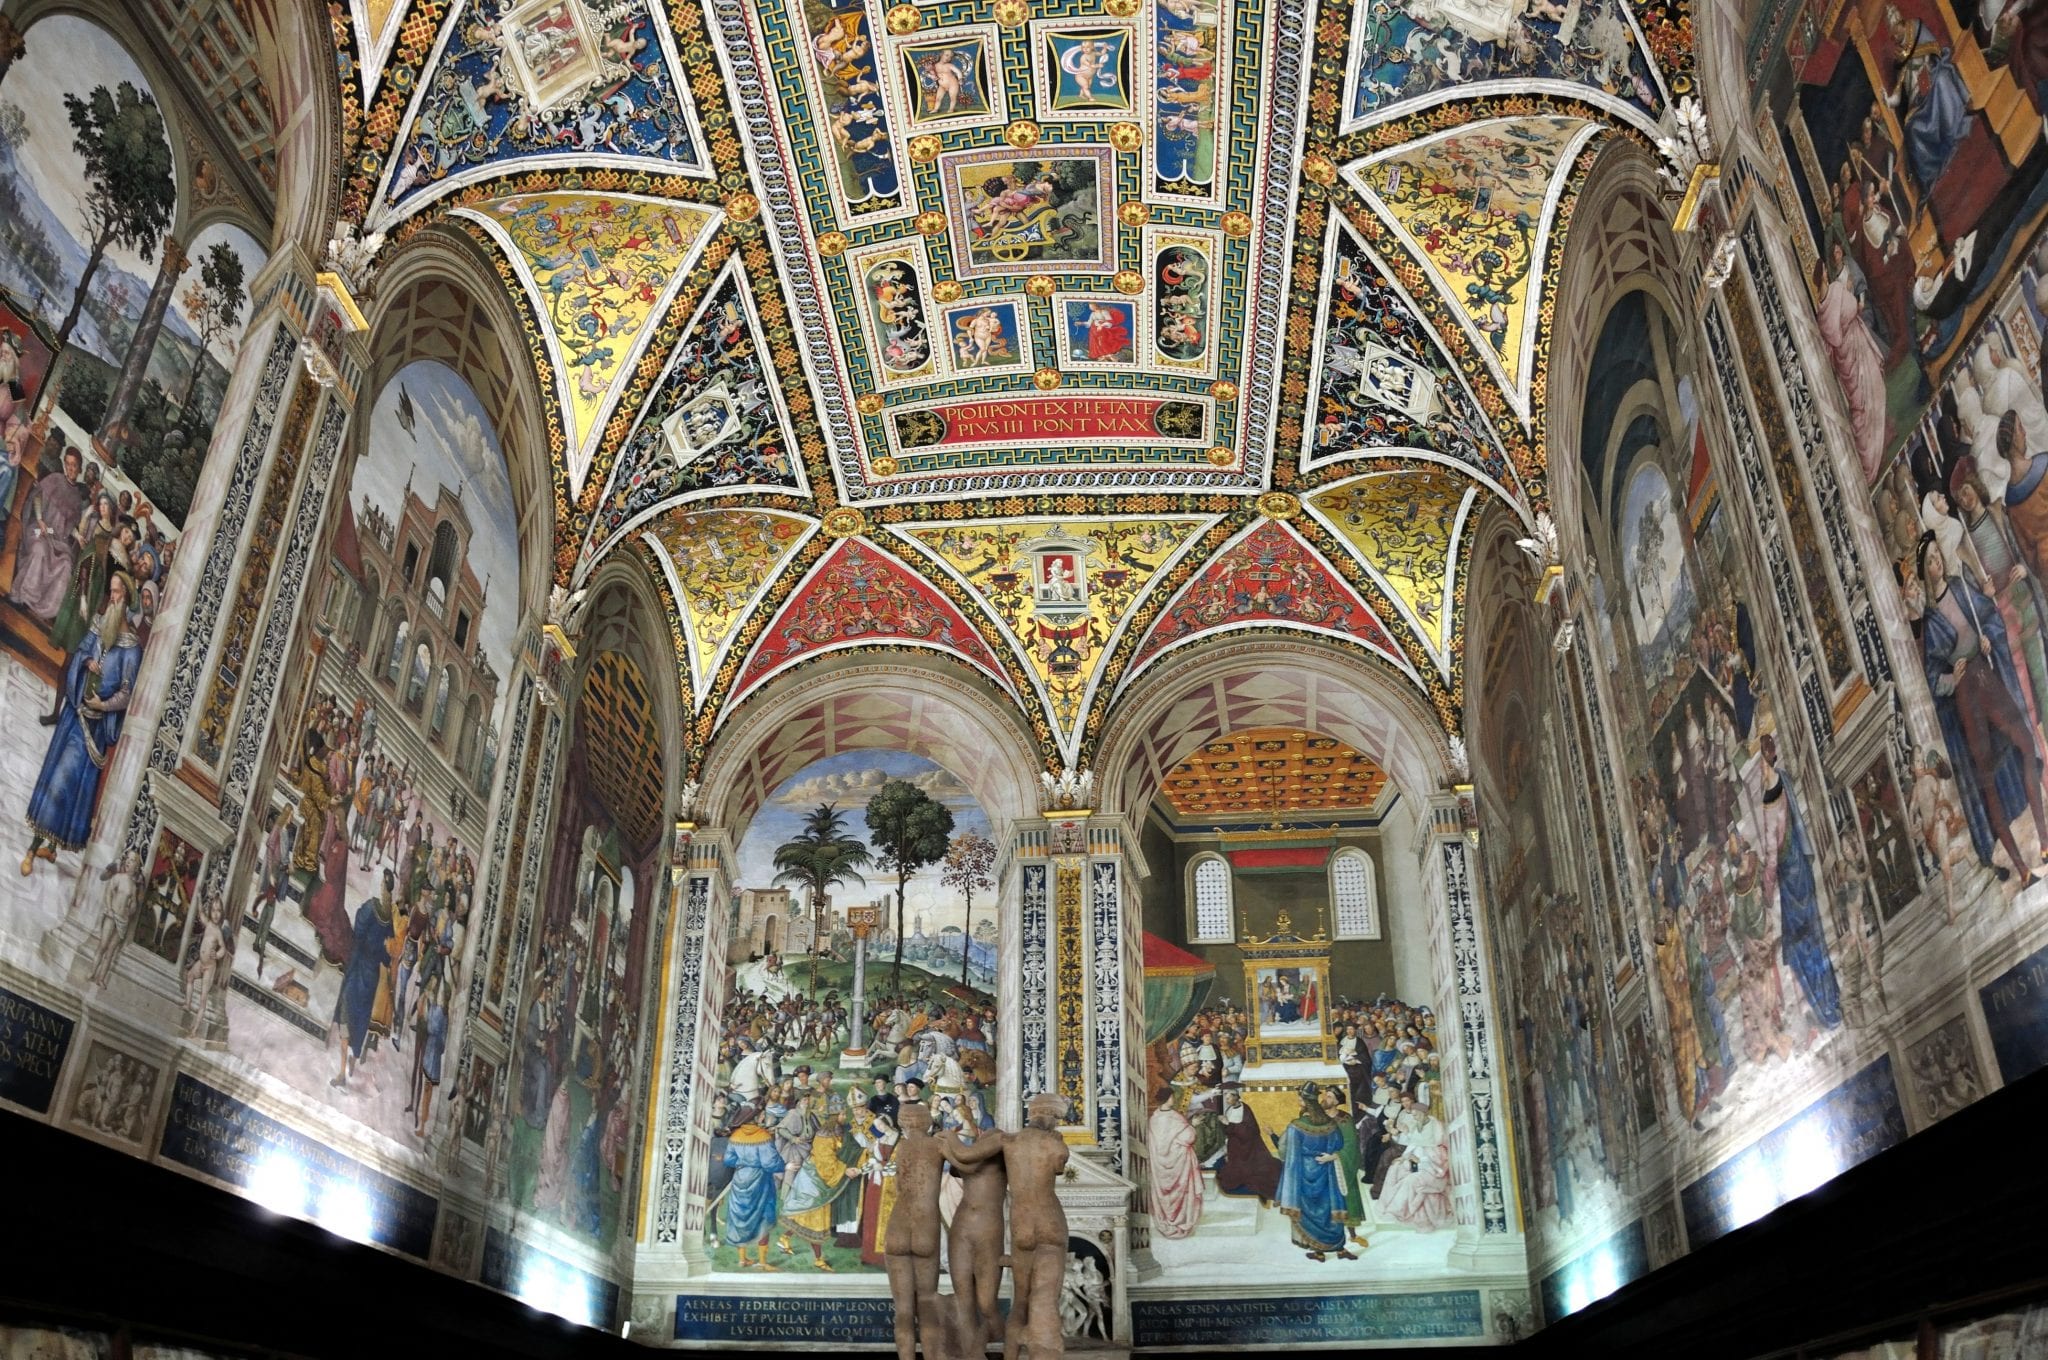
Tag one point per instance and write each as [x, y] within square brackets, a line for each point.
[911, 829]
[213, 304]
[818, 857]
[130, 188]
[970, 867]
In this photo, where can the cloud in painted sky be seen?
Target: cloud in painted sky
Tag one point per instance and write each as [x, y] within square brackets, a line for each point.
[853, 788]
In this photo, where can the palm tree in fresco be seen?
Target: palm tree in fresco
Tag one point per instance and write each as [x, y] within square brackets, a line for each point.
[818, 857]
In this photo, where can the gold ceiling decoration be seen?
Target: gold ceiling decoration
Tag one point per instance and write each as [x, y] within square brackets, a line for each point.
[1273, 771]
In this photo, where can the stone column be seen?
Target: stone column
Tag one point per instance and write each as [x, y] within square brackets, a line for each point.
[114, 425]
[1080, 1026]
[1489, 1233]
[863, 920]
[692, 993]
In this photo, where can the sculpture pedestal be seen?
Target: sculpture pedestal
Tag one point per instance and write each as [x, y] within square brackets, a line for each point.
[1097, 1202]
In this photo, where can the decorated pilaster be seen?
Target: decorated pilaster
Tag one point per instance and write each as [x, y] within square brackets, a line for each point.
[1489, 1234]
[1076, 956]
[671, 1246]
[488, 939]
[507, 970]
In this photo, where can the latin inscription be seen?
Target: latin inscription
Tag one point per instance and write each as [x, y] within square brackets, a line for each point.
[722, 1317]
[231, 1141]
[2016, 1014]
[1850, 1124]
[1340, 1317]
[512, 1267]
[33, 1042]
[1041, 420]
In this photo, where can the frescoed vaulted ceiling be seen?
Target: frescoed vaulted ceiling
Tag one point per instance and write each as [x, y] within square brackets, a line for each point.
[1051, 335]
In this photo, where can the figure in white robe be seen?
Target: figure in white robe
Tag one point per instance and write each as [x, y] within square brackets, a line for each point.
[1419, 1189]
[1176, 1192]
[553, 1185]
[1858, 363]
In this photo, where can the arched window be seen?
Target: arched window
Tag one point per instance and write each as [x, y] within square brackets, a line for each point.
[416, 681]
[394, 664]
[472, 729]
[366, 613]
[442, 689]
[1354, 905]
[441, 566]
[1209, 900]
[488, 766]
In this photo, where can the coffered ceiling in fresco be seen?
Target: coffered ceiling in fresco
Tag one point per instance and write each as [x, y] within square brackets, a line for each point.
[1277, 772]
[1052, 336]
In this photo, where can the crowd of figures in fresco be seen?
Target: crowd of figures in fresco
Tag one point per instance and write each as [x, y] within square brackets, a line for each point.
[88, 563]
[817, 1057]
[106, 403]
[1408, 49]
[577, 1047]
[1337, 1157]
[1722, 945]
[1968, 533]
[802, 1147]
[399, 949]
[577, 1157]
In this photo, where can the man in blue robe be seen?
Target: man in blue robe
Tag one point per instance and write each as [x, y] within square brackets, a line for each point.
[1311, 1186]
[368, 956]
[750, 1206]
[1970, 673]
[1931, 98]
[1801, 940]
[93, 703]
